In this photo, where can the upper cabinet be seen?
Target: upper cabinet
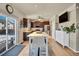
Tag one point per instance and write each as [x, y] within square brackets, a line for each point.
[45, 22]
[25, 22]
[39, 24]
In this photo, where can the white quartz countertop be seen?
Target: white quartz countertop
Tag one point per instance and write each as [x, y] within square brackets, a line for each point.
[38, 34]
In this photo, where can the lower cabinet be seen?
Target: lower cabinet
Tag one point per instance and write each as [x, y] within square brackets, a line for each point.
[25, 38]
[67, 39]
[62, 38]
[73, 41]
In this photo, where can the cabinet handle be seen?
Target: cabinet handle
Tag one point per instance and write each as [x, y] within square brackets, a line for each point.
[45, 41]
[31, 40]
[38, 51]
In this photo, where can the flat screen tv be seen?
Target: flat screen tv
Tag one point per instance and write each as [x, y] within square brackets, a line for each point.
[63, 17]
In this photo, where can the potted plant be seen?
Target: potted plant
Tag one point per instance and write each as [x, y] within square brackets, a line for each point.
[69, 30]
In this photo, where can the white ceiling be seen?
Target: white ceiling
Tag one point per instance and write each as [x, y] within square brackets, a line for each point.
[42, 8]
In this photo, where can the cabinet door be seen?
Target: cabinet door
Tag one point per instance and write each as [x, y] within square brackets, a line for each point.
[2, 34]
[66, 39]
[58, 36]
[62, 38]
[11, 24]
[73, 41]
[25, 22]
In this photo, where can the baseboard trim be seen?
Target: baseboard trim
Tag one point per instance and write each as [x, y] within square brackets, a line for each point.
[68, 47]
[7, 50]
[73, 50]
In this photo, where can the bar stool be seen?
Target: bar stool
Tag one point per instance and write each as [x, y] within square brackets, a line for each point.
[38, 46]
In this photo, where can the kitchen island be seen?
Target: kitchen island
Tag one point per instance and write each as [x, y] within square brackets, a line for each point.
[38, 44]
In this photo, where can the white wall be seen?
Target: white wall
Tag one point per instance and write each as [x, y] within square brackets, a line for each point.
[53, 25]
[72, 19]
[71, 16]
[16, 15]
[28, 23]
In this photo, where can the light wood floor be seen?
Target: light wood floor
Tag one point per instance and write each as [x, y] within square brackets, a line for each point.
[55, 49]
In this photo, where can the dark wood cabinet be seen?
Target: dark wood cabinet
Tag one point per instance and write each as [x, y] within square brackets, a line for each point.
[25, 22]
[31, 24]
[39, 24]
[45, 22]
[25, 38]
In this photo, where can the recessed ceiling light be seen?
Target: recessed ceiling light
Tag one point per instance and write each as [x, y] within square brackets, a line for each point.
[35, 6]
[77, 7]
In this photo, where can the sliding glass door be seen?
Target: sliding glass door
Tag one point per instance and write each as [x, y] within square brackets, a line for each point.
[7, 33]
[2, 34]
[11, 32]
